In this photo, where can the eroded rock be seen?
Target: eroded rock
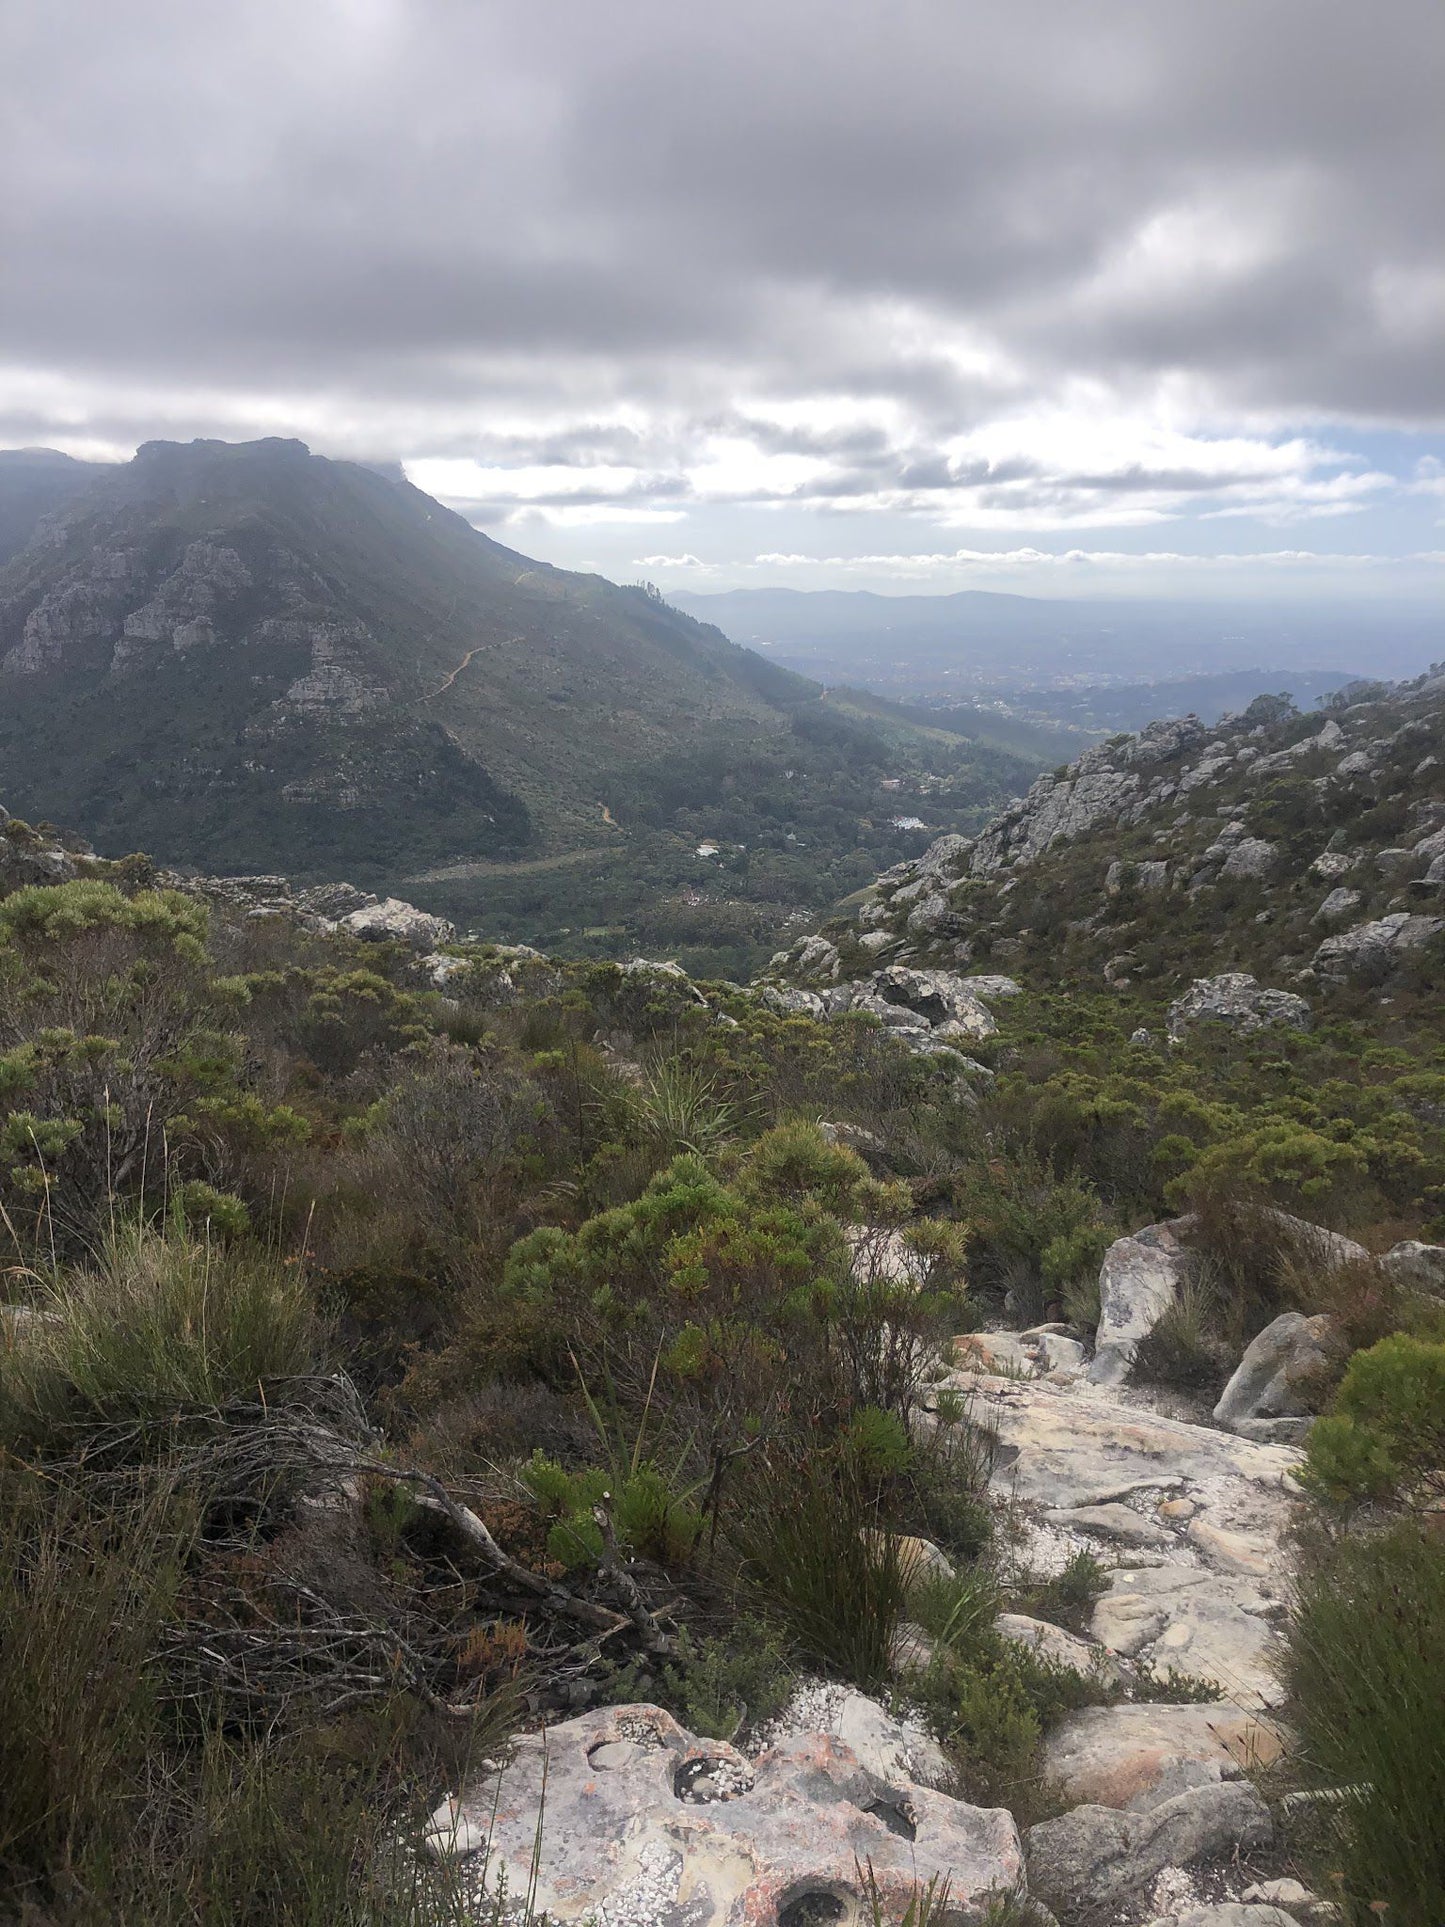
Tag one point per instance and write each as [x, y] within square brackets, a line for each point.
[620, 1830]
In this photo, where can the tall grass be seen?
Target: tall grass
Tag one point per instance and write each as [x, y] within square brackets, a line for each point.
[1365, 1668]
[136, 1785]
[158, 1322]
[816, 1556]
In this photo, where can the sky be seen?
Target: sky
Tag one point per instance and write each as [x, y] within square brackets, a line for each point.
[1064, 298]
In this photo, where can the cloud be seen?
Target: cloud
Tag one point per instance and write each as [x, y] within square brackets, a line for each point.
[1043, 268]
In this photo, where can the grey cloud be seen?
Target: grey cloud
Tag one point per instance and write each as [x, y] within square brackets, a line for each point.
[440, 217]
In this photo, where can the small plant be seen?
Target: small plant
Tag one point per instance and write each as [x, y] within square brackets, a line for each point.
[683, 1110]
[1183, 1348]
[927, 1906]
[159, 1325]
[818, 1561]
[1384, 1439]
[1067, 1597]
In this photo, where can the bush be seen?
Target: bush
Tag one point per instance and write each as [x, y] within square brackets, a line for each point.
[1365, 1668]
[160, 1324]
[1384, 1439]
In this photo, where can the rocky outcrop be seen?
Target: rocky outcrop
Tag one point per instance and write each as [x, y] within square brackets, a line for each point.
[1271, 1381]
[1238, 1002]
[1096, 1857]
[392, 921]
[1056, 810]
[930, 1011]
[623, 1815]
[1204, 1601]
[1372, 951]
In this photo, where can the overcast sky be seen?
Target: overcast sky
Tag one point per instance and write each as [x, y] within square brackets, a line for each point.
[1066, 296]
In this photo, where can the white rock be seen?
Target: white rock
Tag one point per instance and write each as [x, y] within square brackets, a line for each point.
[1138, 1281]
[1237, 1001]
[601, 1818]
[1266, 1382]
[392, 921]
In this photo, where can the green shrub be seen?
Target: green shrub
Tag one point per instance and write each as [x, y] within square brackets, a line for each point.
[1184, 1347]
[1365, 1670]
[1384, 1439]
[1067, 1597]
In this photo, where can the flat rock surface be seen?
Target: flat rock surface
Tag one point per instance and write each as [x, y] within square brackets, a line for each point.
[1111, 1755]
[640, 1822]
[1197, 1587]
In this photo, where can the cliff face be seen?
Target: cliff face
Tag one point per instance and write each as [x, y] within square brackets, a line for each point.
[251, 656]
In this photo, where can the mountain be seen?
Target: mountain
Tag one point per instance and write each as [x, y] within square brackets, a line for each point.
[249, 658]
[34, 482]
[904, 645]
[252, 655]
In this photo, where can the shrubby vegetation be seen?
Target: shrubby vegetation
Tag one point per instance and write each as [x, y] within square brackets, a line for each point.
[380, 1365]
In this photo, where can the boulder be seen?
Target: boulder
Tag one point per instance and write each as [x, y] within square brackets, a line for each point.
[392, 921]
[623, 1815]
[1138, 1281]
[1238, 1001]
[1226, 1913]
[931, 916]
[1371, 951]
[1267, 1382]
[1291, 1894]
[1338, 905]
[789, 1002]
[1252, 858]
[1002, 1353]
[1097, 1857]
[1149, 876]
[1114, 1756]
[1331, 864]
[1059, 1353]
[1419, 1267]
[1053, 1643]
[1356, 767]
[818, 959]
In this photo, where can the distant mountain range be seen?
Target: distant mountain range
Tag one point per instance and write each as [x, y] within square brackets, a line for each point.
[976, 641]
[244, 655]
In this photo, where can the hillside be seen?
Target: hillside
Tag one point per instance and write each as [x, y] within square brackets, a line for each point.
[1267, 843]
[252, 658]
